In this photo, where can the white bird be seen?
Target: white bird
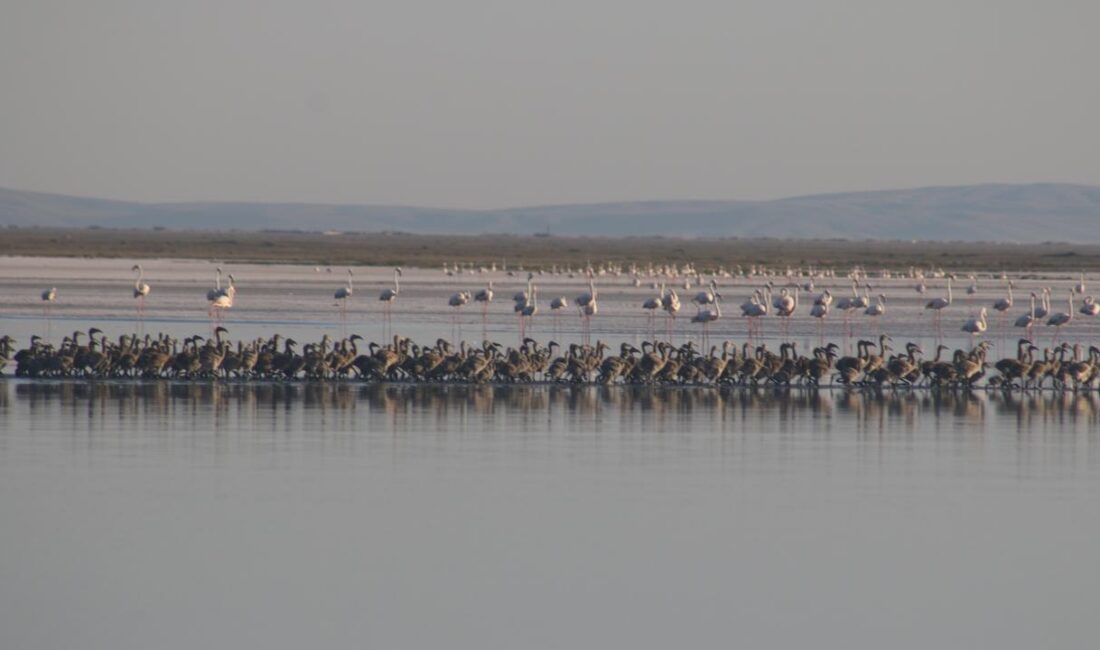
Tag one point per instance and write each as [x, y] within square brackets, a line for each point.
[231, 290]
[561, 302]
[1027, 319]
[707, 314]
[1004, 304]
[706, 297]
[845, 303]
[756, 306]
[591, 308]
[651, 305]
[345, 292]
[532, 307]
[1090, 307]
[141, 289]
[819, 310]
[877, 309]
[655, 302]
[1080, 288]
[389, 295]
[786, 304]
[584, 299]
[485, 295]
[1061, 318]
[825, 298]
[521, 296]
[212, 294]
[225, 297]
[939, 304]
[49, 295]
[671, 303]
[864, 301]
[1043, 309]
[973, 288]
[460, 299]
[976, 325]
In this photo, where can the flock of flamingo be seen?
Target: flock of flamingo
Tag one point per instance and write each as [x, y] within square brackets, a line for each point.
[782, 301]
[778, 295]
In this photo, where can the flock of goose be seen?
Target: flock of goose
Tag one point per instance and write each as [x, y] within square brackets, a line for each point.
[92, 355]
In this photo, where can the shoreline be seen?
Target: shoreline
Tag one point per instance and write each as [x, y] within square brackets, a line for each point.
[535, 251]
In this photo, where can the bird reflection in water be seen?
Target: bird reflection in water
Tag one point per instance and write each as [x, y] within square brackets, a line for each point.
[357, 406]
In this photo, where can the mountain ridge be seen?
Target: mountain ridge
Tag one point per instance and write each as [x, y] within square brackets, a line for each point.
[985, 212]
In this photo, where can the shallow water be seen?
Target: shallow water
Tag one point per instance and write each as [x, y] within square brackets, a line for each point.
[183, 515]
[178, 515]
[297, 301]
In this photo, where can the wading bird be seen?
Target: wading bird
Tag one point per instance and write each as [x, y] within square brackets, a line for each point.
[389, 296]
[938, 305]
[975, 326]
[342, 294]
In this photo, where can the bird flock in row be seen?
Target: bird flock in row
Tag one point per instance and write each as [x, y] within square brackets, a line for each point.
[92, 355]
[770, 298]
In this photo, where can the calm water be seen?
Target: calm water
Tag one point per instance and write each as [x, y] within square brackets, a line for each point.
[297, 301]
[180, 516]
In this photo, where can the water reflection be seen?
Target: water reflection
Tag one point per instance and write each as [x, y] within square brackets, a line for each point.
[336, 406]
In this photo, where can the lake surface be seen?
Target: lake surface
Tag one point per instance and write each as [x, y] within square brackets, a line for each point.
[176, 515]
[297, 301]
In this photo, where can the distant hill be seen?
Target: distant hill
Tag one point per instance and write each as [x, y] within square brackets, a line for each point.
[1025, 213]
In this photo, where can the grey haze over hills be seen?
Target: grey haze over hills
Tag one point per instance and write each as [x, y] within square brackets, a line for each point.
[996, 212]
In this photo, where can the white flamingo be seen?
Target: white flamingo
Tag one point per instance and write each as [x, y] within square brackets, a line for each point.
[485, 296]
[670, 302]
[522, 296]
[755, 308]
[1043, 310]
[588, 305]
[141, 289]
[212, 294]
[532, 307]
[706, 297]
[224, 298]
[1090, 307]
[651, 305]
[1059, 319]
[864, 301]
[938, 305]
[977, 325]
[1080, 288]
[390, 295]
[48, 296]
[820, 311]
[786, 306]
[707, 315]
[458, 301]
[1028, 319]
[1004, 304]
[877, 309]
[342, 294]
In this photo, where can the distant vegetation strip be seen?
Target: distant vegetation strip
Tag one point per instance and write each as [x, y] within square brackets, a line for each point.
[389, 249]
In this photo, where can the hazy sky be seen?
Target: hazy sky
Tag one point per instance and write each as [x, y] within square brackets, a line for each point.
[490, 103]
